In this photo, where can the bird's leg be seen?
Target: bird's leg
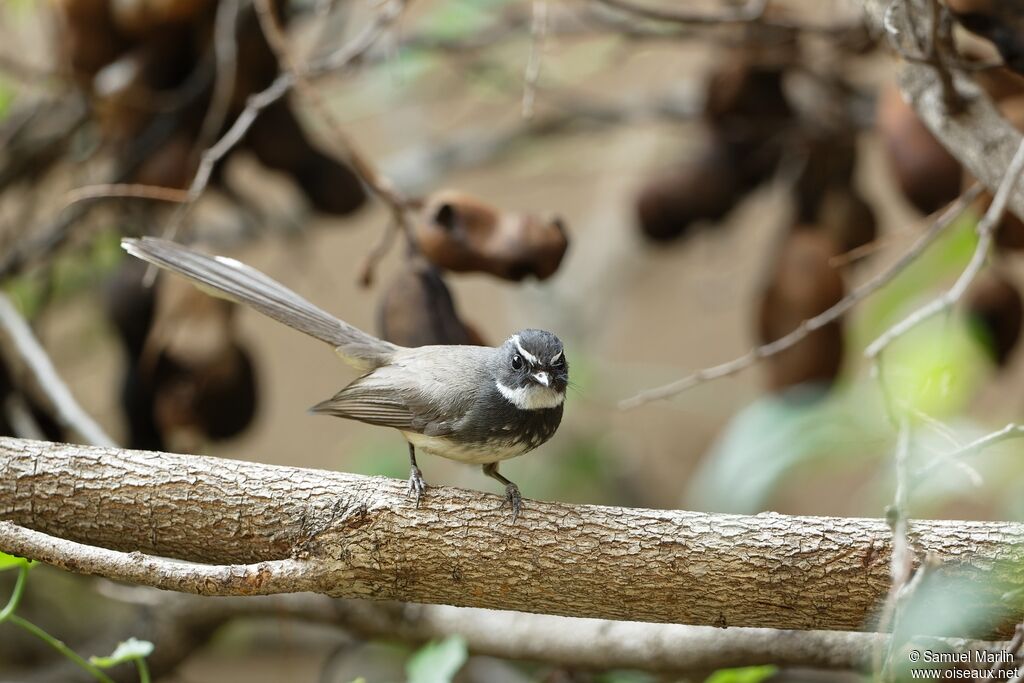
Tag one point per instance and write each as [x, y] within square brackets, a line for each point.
[416, 484]
[512, 496]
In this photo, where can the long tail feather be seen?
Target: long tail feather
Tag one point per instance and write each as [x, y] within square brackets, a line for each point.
[230, 279]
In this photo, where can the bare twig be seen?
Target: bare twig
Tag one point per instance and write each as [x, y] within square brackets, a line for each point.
[752, 11]
[225, 46]
[986, 227]
[1010, 431]
[28, 360]
[538, 38]
[126, 191]
[940, 224]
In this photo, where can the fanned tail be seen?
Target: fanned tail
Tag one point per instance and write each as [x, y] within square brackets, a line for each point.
[233, 280]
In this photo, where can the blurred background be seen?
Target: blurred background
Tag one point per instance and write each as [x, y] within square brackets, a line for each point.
[662, 195]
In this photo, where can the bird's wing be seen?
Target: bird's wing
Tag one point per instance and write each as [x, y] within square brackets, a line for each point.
[426, 390]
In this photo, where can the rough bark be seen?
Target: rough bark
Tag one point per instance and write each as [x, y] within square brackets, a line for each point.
[351, 536]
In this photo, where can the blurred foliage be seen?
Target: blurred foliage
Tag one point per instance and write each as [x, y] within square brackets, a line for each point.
[437, 662]
[6, 98]
[129, 651]
[937, 266]
[936, 368]
[68, 274]
[624, 677]
[802, 425]
[748, 674]
[12, 561]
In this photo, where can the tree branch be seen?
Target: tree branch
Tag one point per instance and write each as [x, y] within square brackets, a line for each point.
[35, 369]
[352, 536]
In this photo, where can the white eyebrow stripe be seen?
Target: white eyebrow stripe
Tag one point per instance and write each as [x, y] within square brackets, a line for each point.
[554, 358]
[530, 358]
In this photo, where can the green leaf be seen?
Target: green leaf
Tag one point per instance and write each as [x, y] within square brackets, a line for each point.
[437, 662]
[747, 674]
[935, 368]
[13, 562]
[125, 651]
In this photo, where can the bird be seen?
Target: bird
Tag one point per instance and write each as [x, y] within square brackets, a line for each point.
[474, 404]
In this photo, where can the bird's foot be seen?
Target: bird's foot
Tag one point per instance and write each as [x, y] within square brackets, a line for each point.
[416, 484]
[513, 499]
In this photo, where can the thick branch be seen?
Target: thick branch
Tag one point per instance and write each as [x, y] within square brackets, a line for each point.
[351, 536]
[180, 624]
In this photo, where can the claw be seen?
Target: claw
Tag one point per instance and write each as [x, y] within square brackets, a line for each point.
[416, 484]
[513, 499]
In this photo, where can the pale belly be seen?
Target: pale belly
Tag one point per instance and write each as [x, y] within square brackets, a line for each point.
[453, 450]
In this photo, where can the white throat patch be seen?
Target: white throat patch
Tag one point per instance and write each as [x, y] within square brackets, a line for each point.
[532, 397]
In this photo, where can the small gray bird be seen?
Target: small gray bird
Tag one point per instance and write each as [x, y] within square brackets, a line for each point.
[474, 404]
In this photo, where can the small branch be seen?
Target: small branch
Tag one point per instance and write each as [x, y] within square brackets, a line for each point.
[180, 624]
[752, 11]
[126, 191]
[262, 578]
[944, 220]
[986, 227]
[538, 39]
[1010, 431]
[30, 362]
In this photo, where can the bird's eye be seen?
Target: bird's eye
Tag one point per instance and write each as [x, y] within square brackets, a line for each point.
[517, 362]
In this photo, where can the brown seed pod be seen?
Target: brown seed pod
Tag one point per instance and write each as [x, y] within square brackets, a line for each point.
[279, 142]
[927, 175]
[705, 190]
[741, 89]
[88, 37]
[460, 233]
[995, 310]
[847, 218]
[418, 310]
[188, 378]
[802, 285]
[140, 17]
[998, 21]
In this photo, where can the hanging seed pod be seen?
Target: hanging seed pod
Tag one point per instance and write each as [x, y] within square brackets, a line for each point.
[706, 190]
[460, 233]
[802, 285]
[1000, 22]
[927, 175]
[418, 310]
[187, 377]
[825, 193]
[995, 310]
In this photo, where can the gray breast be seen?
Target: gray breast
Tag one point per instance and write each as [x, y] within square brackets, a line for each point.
[493, 419]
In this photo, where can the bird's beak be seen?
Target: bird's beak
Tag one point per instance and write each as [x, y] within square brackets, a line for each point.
[543, 377]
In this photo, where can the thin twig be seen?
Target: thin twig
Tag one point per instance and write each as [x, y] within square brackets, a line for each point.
[941, 223]
[1010, 431]
[126, 191]
[225, 47]
[752, 11]
[986, 226]
[538, 39]
[27, 356]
